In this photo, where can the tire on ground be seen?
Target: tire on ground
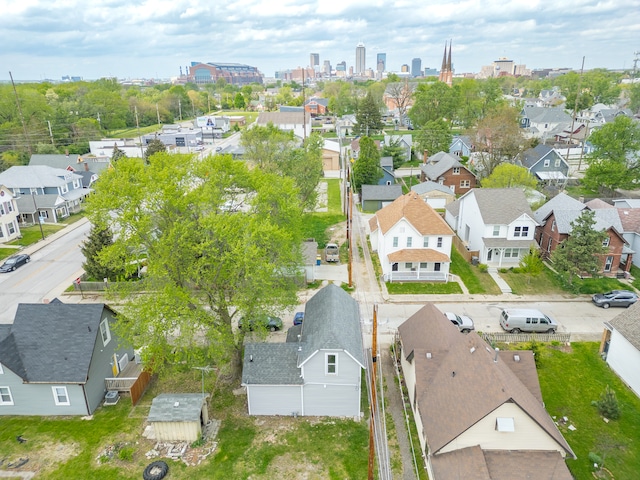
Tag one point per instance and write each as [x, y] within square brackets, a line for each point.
[155, 470]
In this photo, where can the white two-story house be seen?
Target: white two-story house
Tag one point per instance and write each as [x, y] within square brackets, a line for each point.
[496, 222]
[9, 224]
[412, 241]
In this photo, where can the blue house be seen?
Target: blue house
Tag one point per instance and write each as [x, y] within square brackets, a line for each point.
[545, 163]
[461, 146]
[55, 358]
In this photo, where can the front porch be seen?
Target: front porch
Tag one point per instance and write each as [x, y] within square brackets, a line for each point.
[418, 276]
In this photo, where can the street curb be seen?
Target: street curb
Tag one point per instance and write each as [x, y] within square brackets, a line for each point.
[31, 249]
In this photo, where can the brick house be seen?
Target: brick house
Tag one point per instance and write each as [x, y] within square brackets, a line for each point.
[446, 169]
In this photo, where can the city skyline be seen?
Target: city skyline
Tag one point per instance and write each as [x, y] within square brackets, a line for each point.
[155, 38]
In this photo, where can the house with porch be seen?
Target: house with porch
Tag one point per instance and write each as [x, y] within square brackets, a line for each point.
[318, 370]
[54, 193]
[496, 222]
[546, 164]
[9, 216]
[57, 358]
[412, 241]
[500, 429]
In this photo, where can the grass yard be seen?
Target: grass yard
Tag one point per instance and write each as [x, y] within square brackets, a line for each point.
[420, 288]
[476, 281]
[111, 444]
[570, 380]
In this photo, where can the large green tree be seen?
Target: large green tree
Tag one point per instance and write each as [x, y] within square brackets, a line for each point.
[580, 253]
[434, 101]
[434, 136]
[366, 169]
[614, 162]
[206, 265]
[98, 240]
[368, 116]
[507, 175]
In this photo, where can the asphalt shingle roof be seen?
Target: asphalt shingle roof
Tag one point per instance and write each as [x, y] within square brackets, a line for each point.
[176, 407]
[271, 364]
[424, 188]
[462, 366]
[501, 206]
[414, 210]
[36, 176]
[381, 192]
[52, 342]
[562, 201]
[440, 163]
[628, 324]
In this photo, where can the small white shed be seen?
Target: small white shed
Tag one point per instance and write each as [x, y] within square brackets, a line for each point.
[178, 416]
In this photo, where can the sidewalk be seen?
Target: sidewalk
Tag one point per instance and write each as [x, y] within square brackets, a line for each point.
[31, 249]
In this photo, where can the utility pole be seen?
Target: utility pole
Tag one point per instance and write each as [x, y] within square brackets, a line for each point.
[180, 109]
[372, 407]
[135, 109]
[51, 134]
[573, 117]
[24, 126]
[158, 114]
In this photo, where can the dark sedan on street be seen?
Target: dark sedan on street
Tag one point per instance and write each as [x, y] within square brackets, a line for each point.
[615, 298]
[11, 263]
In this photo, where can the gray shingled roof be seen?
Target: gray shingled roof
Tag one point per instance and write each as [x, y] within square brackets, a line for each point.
[562, 201]
[605, 219]
[381, 192]
[440, 163]
[429, 186]
[501, 206]
[35, 176]
[77, 162]
[176, 407]
[332, 321]
[52, 342]
[628, 324]
[271, 364]
[534, 155]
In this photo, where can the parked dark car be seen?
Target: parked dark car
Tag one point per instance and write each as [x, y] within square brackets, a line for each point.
[615, 298]
[298, 318]
[267, 321]
[11, 263]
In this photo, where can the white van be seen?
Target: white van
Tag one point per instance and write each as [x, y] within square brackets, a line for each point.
[516, 320]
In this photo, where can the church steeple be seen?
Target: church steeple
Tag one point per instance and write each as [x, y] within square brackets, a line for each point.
[446, 72]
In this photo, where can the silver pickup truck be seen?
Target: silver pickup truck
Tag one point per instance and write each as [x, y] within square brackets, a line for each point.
[332, 253]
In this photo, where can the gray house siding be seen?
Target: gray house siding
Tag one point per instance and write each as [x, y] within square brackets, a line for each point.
[336, 393]
[275, 399]
[101, 365]
[31, 398]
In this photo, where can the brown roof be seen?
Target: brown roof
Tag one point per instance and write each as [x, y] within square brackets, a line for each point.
[462, 366]
[630, 219]
[598, 204]
[628, 324]
[415, 211]
[472, 463]
[418, 255]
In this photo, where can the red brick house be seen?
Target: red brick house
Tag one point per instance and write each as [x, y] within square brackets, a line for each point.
[556, 216]
[446, 169]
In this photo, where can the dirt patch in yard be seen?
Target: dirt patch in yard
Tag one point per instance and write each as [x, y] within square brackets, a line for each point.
[40, 457]
[292, 466]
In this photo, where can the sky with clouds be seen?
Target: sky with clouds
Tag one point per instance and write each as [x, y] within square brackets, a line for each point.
[154, 38]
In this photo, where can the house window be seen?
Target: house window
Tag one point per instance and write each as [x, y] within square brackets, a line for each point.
[439, 244]
[553, 226]
[11, 227]
[608, 263]
[64, 188]
[60, 396]
[423, 265]
[395, 241]
[521, 232]
[425, 242]
[456, 170]
[606, 241]
[505, 424]
[436, 266]
[408, 265]
[104, 332]
[5, 396]
[547, 162]
[549, 245]
[557, 163]
[496, 230]
[409, 241]
[1, 209]
[465, 183]
[331, 364]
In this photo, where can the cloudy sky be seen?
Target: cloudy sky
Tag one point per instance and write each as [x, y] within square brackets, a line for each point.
[154, 38]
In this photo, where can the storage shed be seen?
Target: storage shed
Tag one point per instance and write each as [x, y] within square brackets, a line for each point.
[178, 416]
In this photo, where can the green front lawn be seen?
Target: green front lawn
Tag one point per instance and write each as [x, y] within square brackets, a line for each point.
[571, 378]
[476, 281]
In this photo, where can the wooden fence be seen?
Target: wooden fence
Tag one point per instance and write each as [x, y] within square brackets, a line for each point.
[504, 337]
[462, 249]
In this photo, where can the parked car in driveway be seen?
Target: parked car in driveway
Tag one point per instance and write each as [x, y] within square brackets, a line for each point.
[267, 321]
[464, 323]
[15, 261]
[298, 318]
[615, 298]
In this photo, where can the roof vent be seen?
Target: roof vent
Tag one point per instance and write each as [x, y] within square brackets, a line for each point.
[176, 404]
[472, 349]
[516, 358]
[251, 358]
[429, 355]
